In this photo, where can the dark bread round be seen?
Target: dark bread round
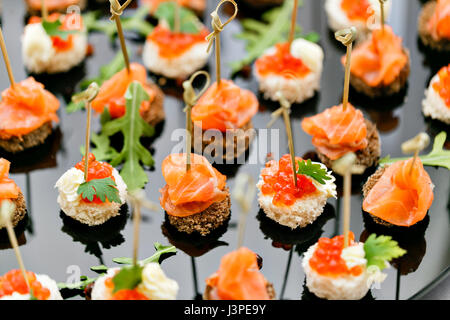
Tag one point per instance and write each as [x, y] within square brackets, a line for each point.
[30, 140]
[269, 287]
[155, 114]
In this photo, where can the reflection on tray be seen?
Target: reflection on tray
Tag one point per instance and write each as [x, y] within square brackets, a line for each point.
[19, 230]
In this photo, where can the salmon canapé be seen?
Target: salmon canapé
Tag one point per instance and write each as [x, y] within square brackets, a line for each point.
[8, 188]
[439, 24]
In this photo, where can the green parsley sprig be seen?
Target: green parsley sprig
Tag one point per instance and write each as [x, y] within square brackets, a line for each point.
[380, 250]
[101, 188]
[53, 29]
[313, 170]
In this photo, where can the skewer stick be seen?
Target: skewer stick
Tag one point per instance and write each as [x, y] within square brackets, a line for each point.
[136, 222]
[190, 99]
[116, 11]
[347, 204]
[293, 22]
[44, 11]
[416, 144]
[214, 36]
[7, 209]
[244, 193]
[6, 59]
[176, 19]
[382, 13]
[346, 37]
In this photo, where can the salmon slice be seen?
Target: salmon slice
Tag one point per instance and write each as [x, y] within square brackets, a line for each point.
[52, 5]
[225, 107]
[399, 197]
[238, 277]
[379, 60]
[26, 108]
[112, 91]
[188, 193]
[439, 24]
[336, 132]
[8, 188]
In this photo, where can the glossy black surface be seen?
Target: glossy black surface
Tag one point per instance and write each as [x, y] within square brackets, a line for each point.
[54, 243]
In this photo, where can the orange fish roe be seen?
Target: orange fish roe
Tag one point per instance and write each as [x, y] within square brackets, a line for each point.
[281, 63]
[13, 281]
[279, 182]
[69, 22]
[97, 170]
[172, 45]
[124, 294]
[356, 9]
[327, 260]
[443, 85]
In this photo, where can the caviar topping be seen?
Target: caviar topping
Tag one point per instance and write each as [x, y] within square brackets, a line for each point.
[13, 281]
[443, 85]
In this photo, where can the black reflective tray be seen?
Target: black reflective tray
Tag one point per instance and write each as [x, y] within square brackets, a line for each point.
[53, 244]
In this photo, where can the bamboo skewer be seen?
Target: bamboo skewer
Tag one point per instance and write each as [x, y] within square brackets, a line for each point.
[346, 37]
[44, 11]
[416, 144]
[6, 59]
[176, 19]
[116, 11]
[244, 193]
[382, 13]
[293, 23]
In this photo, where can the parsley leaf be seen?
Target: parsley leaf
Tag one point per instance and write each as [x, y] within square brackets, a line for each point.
[128, 278]
[160, 251]
[81, 285]
[313, 170]
[260, 36]
[53, 29]
[102, 188]
[380, 250]
[438, 157]
[189, 22]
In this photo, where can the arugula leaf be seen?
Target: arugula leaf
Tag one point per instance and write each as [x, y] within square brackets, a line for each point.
[438, 157]
[99, 269]
[81, 285]
[102, 151]
[102, 188]
[189, 22]
[313, 170]
[53, 29]
[380, 250]
[133, 127]
[260, 36]
[160, 251]
[127, 278]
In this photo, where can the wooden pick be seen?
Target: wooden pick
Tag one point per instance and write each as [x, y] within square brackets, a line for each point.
[382, 13]
[87, 97]
[293, 22]
[217, 27]
[176, 18]
[350, 161]
[346, 37]
[6, 59]
[6, 211]
[116, 11]
[244, 193]
[190, 99]
[44, 11]
[416, 144]
[285, 110]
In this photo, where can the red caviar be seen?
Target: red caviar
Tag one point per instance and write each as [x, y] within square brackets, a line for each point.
[97, 170]
[357, 9]
[443, 85]
[13, 281]
[327, 260]
[69, 22]
[172, 45]
[281, 63]
[124, 294]
[279, 182]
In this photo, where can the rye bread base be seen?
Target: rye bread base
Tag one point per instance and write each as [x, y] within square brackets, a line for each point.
[383, 90]
[155, 114]
[30, 140]
[21, 210]
[247, 136]
[426, 38]
[206, 221]
[368, 156]
[269, 287]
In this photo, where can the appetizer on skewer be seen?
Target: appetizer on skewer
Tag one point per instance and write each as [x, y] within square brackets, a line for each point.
[337, 132]
[437, 97]
[380, 66]
[54, 44]
[434, 25]
[337, 272]
[196, 200]
[27, 111]
[14, 287]
[34, 6]
[358, 13]
[10, 191]
[112, 95]
[198, 6]
[95, 200]
[239, 278]
[153, 285]
[294, 69]
[176, 49]
[399, 194]
[295, 205]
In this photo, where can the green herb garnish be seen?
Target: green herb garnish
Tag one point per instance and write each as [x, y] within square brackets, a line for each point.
[313, 170]
[80, 285]
[101, 188]
[128, 278]
[53, 29]
[380, 250]
[160, 251]
[438, 157]
[189, 22]
[260, 36]
[102, 151]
